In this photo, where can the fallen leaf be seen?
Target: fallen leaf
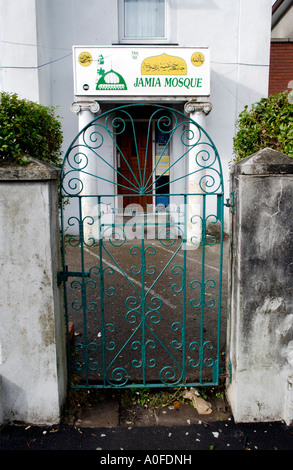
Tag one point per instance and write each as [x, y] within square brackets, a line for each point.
[176, 404]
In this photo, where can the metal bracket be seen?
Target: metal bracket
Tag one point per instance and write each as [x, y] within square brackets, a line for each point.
[230, 371]
[230, 202]
[228, 374]
[63, 276]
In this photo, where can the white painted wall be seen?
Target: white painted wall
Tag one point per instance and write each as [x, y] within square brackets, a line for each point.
[18, 51]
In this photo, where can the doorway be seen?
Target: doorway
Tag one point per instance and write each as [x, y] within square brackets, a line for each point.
[134, 164]
[143, 155]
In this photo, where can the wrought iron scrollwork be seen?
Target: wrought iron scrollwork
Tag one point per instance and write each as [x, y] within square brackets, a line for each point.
[89, 146]
[156, 327]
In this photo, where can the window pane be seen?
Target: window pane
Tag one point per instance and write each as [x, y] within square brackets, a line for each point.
[144, 18]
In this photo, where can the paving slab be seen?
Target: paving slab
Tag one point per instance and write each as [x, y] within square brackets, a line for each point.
[108, 414]
[103, 414]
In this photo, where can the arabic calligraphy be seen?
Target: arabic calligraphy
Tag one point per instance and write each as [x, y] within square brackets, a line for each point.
[197, 59]
[163, 64]
[85, 59]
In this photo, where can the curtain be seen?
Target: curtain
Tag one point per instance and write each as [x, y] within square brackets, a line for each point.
[144, 18]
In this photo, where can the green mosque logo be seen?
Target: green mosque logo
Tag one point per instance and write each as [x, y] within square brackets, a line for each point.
[110, 80]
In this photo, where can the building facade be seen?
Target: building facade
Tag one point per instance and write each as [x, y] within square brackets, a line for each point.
[281, 59]
[40, 40]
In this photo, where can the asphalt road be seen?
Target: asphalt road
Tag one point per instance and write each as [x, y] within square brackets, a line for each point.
[151, 440]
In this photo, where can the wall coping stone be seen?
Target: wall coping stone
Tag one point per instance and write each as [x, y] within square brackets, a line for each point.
[264, 162]
[35, 170]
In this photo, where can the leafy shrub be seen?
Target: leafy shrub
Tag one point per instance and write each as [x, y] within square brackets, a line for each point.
[269, 123]
[28, 129]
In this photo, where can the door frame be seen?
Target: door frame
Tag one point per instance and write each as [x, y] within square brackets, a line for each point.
[153, 149]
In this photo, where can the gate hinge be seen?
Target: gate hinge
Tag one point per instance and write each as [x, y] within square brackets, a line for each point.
[63, 276]
[228, 373]
[230, 202]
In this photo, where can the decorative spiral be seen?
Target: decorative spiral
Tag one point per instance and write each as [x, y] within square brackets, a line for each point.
[117, 237]
[86, 348]
[194, 346]
[176, 326]
[133, 315]
[167, 236]
[118, 377]
[152, 345]
[212, 240]
[153, 314]
[190, 137]
[194, 284]
[168, 375]
[208, 361]
[111, 289]
[93, 140]
[209, 283]
[111, 346]
[175, 287]
[89, 143]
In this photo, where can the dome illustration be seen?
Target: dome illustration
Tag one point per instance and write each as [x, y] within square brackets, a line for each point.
[111, 81]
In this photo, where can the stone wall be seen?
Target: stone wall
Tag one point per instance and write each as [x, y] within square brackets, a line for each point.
[32, 338]
[33, 375]
[260, 329]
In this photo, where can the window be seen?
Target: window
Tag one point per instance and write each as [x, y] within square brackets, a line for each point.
[144, 21]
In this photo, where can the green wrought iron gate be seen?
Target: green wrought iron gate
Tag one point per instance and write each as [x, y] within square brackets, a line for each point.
[142, 267]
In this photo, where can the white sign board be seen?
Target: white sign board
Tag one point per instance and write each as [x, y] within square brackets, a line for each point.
[141, 71]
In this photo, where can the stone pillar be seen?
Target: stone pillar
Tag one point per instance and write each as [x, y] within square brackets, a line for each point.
[87, 111]
[32, 331]
[197, 112]
[260, 327]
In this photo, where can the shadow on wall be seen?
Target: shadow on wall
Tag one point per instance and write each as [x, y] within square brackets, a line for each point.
[13, 401]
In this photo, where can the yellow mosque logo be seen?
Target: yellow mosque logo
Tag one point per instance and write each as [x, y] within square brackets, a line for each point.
[197, 59]
[164, 64]
[85, 59]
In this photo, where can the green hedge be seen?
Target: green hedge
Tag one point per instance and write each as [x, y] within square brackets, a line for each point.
[28, 129]
[269, 123]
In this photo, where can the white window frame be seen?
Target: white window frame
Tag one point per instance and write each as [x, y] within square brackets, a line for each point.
[144, 40]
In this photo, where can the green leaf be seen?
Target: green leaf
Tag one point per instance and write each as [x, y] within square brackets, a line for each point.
[28, 128]
[23, 160]
[267, 124]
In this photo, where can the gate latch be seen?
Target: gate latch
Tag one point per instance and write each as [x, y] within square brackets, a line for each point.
[230, 202]
[64, 275]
